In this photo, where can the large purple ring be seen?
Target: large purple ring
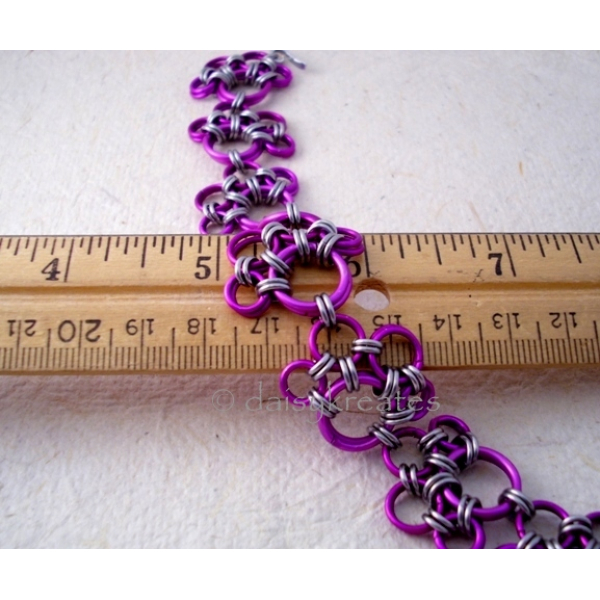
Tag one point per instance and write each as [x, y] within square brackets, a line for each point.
[310, 309]
[332, 435]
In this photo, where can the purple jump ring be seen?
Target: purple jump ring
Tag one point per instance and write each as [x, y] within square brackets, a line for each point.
[332, 435]
[352, 244]
[449, 421]
[499, 460]
[283, 148]
[285, 77]
[284, 388]
[292, 179]
[206, 192]
[242, 240]
[386, 451]
[384, 331]
[390, 511]
[319, 325]
[199, 89]
[255, 310]
[195, 130]
[310, 309]
[546, 506]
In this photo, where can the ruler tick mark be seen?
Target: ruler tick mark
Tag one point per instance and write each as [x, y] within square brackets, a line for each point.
[144, 252]
[35, 245]
[218, 274]
[107, 249]
[575, 249]
[366, 258]
[437, 249]
[512, 266]
[472, 247]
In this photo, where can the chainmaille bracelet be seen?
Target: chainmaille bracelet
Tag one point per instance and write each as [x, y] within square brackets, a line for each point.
[289, 237]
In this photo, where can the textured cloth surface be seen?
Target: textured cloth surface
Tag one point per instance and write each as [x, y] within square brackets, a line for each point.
[96, 143]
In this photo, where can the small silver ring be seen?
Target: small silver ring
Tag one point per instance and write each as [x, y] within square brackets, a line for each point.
[410, 480]
[293, 214]
[272, 284]
[321, 404]
[270, 230]
[385, 436]
[277, 263]
[439, 522]
[367, 346]
[349, 373]
[326, 310]
[322, 366]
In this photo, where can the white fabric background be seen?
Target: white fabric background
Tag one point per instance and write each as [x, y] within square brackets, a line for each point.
[96, 143]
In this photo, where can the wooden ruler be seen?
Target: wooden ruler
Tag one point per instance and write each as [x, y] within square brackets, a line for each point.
[116, 304]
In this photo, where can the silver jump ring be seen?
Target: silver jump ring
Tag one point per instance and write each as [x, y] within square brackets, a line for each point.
[275, 192]
[322, 366]
[437, 483]
[326, 310]
[392, 383]
[439, 522]
[293, 214]
[471, 445]
[416, 378]
[319, 403]
[529, 541]
[349, 373]
[326, 246]
[324, 224]
[410, 481]
[464, 513]
[270, 230]
[234, 213]
[575, 525]
[238, 102]
[254, 187]
[301, 241]
[238, 198]
[520, 500]
[442, 462]
[277, 263]
[235, 126]
[366, 346]
[272, 284]
[386, 437]
[242, 270]
[215, 130]
[236, 160]
[210, 212]
[398, 417]
[429, 440]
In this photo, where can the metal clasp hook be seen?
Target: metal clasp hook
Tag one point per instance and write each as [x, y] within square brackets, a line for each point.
[284, 54]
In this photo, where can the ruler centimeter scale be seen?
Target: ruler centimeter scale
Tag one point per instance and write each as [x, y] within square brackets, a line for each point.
[154, 303]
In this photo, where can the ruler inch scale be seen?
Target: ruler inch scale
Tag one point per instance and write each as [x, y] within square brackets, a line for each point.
[154, 303]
